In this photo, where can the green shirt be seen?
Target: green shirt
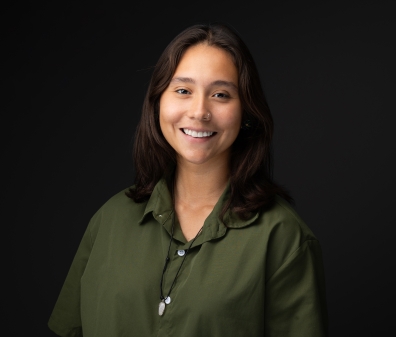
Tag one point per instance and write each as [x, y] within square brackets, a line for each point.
[260, 277]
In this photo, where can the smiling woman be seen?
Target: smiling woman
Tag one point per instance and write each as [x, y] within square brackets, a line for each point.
[204, 243]
[205, 83]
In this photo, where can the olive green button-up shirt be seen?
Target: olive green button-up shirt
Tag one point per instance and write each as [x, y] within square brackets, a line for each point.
[260, 277]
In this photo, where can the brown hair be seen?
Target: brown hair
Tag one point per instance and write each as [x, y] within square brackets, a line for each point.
[251, 183]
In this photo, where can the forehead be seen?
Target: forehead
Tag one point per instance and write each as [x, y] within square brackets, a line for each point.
[203, 61]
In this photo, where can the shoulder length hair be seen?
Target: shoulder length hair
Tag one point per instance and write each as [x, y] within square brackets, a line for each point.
[252, 187]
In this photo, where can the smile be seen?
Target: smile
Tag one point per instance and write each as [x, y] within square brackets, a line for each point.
[198, 134]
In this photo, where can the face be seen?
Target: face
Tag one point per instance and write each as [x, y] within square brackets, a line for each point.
[205, 81]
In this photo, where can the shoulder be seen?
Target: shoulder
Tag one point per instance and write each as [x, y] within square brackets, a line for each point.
[286, 234]
[282, 219]
[120, 201]
[118, 210]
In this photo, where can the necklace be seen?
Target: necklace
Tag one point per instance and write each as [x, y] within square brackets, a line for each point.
[166, 300]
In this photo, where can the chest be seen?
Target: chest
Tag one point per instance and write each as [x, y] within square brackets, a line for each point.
[218, 282]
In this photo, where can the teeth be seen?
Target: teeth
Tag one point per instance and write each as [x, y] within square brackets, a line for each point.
[196, 134]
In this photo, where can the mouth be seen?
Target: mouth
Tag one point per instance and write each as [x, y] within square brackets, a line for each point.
[198, 134]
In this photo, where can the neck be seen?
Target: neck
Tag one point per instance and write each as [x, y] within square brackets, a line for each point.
[200, 185]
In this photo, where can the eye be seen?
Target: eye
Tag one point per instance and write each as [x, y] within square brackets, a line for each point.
[182, 91]
[221, 95]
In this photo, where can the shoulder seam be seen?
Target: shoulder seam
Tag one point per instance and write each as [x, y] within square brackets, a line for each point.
[291, 254]
[292, 213]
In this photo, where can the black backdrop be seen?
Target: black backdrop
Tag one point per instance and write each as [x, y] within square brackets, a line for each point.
[75, 79]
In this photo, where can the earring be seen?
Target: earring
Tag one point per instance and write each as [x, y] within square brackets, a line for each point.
[246, 124]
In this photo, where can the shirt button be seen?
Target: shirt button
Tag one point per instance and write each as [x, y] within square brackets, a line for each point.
[181, 252]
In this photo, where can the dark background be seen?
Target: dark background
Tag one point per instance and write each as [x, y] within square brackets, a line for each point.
[75, 78]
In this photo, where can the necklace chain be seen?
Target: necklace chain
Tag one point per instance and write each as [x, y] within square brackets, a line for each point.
[162, 298]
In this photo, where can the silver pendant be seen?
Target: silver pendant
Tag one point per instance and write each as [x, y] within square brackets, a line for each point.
[161, 308]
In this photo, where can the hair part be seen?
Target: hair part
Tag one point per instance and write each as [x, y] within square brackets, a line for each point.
[252, 186]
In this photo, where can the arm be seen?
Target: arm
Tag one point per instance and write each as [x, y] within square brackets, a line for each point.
[295, 295]
[65, 319]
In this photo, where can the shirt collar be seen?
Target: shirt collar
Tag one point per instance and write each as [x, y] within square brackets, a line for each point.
[159, 203]
[160, 206]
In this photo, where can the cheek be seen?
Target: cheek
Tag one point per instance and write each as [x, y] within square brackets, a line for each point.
[169, 112]
[236, 128]
[169, 118]
[233, 120]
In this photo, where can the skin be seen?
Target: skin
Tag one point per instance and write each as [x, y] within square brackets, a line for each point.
[205, 80]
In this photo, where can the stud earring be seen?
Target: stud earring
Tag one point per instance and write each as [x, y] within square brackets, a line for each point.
[246, 124]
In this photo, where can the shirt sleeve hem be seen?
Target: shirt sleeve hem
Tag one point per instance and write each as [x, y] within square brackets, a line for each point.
[64, 331]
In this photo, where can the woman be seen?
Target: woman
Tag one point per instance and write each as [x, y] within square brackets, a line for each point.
[204, 243]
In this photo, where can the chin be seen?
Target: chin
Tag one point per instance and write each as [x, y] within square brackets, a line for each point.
[193, 159]
[196, 161]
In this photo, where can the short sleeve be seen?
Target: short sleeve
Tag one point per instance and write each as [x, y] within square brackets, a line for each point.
[65, 319]
[295, 295]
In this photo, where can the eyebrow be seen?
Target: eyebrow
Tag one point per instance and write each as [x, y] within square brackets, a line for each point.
[214, 83]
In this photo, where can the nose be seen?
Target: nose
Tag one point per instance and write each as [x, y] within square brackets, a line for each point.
[199, 109]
